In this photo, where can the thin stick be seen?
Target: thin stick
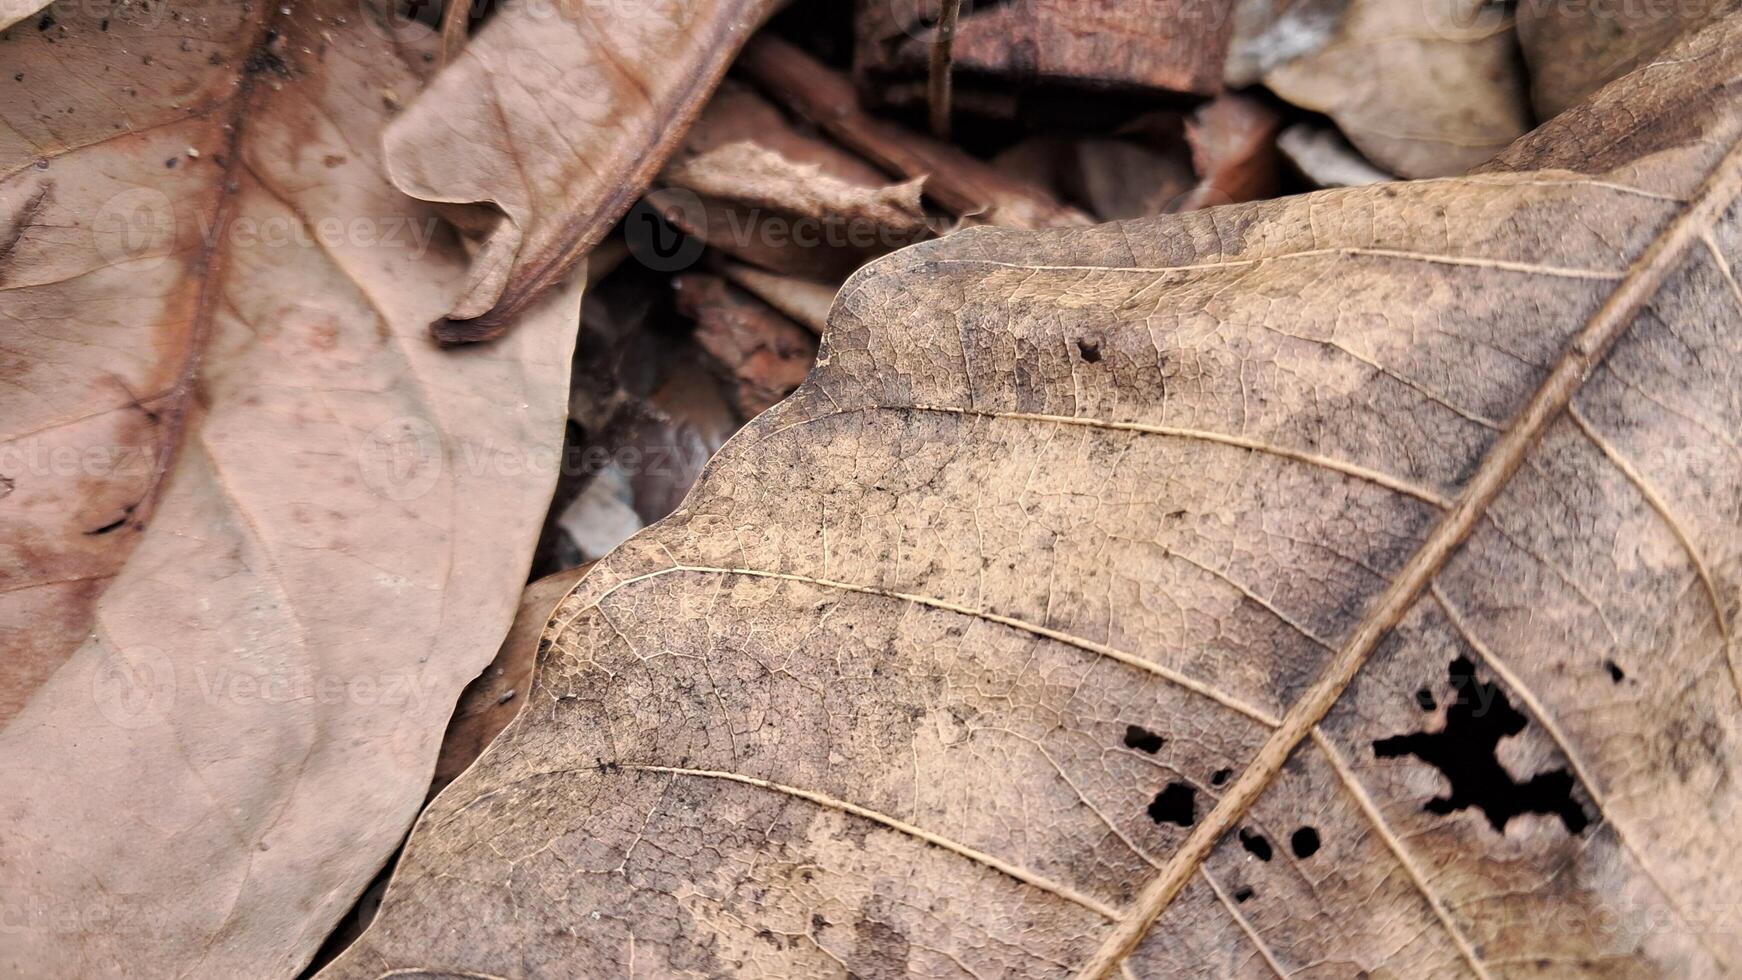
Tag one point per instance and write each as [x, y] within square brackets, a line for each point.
[938, 90]
[454, 23]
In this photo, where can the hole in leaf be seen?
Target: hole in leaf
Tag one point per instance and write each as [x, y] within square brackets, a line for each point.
[1220, 776]
[1424, 699]
[1242, 895]
[1464, 752]
[1177, 804]
[1091, 352]
[1304, 842]
[1616, 674]
[1255, 844]
[1143, 740]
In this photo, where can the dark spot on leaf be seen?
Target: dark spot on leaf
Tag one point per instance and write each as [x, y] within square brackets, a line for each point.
[1091, 352]
[170, 163]
[1304, 842]
[1255, 844]
[1616, 674]
[1142, 739]
[1464, 752]
[1424, 699]
[1177, 804]
[1242, 895]
[45, 22]
[1220, 776]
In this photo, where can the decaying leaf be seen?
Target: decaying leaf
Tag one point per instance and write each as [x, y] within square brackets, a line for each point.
[1424, 89]
[791, 217]
[256, 530]
[806, 301]
[1162, 599]
[764, 354]
[1155, 45]
[603, 91]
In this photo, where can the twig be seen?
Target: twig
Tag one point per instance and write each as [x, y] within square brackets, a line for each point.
[959, 183]
[454, 23]
[938, 92]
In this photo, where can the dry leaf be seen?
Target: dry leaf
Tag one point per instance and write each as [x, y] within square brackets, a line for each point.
[257, 531]
[1160, 599]
[1574, 49]
[494, 697]
[1423, 89]
[1233, 141]
[1269, 33]
[1157, 45]
[13, 11]
[738, 114]
[1325, 158]
[559, 114]
[806, 301]
[764, 355]
[965, 186]
[786, 216]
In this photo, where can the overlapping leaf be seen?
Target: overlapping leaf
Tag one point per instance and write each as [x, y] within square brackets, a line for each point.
[256, 530]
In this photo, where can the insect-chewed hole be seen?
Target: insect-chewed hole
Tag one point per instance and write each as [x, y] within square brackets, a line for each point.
[1220, 776]
[1464, 751]
[1242, 895]
[1424, 699]
[1091, 352]
[1142, 739]
[1177, 804]
[1304, 842]
[1255, 844]
[1616, 674]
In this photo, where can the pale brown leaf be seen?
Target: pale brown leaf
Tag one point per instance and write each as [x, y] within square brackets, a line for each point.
[1423, 89]
[559, 114]
[1100, 604]
[1572, 50]
[256, 531]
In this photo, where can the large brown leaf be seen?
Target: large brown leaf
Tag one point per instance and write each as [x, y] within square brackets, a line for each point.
[1335, 586]
[559, 114]
[256, 529]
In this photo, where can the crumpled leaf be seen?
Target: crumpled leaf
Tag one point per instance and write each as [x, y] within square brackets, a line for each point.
[559, 114]
[1425, 89]
[1103, 601]
[258, 531]
[787, 216]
